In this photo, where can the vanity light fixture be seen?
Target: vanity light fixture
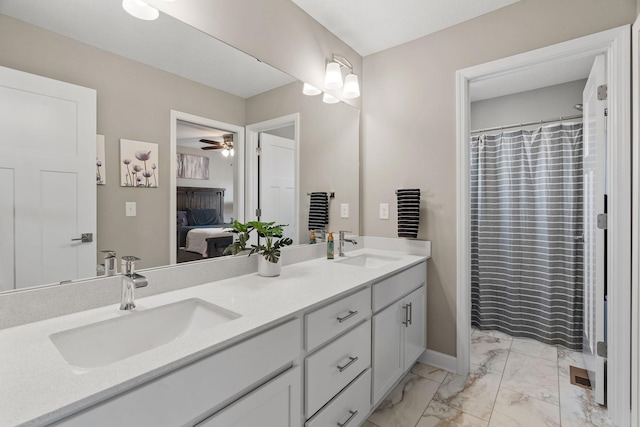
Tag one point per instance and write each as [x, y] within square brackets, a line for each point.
[141, 9]
[333, 77]
[329, 99]
[307, 89]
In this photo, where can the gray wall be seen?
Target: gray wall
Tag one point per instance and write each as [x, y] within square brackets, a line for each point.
[329, 150]
[134, 102]
[409, 98]
[534, 105]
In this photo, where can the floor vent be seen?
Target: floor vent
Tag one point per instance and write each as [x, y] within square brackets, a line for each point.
[579, 377]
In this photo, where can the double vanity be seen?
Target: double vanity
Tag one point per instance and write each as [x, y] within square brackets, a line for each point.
[320, 345]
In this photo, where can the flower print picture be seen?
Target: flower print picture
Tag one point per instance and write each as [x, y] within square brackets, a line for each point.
[138, 164]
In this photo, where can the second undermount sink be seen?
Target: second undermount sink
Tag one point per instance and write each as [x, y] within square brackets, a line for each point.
[102, 343]
[368, 260]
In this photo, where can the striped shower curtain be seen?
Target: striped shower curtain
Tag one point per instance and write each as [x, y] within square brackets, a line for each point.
[526, 219]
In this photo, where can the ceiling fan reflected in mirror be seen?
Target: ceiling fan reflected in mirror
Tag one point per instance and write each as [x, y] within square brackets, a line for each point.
[226, 145]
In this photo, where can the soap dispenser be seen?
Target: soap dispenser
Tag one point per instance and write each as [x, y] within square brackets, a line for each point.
[330, 245]
[312, 237]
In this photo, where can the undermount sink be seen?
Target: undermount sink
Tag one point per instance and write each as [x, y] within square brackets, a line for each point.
[102, 343]
[368, 260]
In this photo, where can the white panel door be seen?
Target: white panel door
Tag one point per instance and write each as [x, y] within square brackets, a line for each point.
[277, 182]
[48, 180]
[594, 187]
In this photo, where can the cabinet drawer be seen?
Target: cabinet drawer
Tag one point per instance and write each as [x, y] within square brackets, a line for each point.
[393, 288]
[277, 403]
[189, 393]
[333, 367]
[349, 408]
[329, 321]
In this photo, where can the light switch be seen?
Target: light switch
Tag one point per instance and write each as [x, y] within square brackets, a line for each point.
[344, 210]
[384, 210]
[130, 208]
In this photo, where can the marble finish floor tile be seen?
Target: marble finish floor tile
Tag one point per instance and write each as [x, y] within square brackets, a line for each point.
[429, 372]
[534, 348]
[439, 415]
[513, 409]
[473, 394]
[368, 424]
[489, 350]
[406, 403]
[568, 358]
[497, 334]
[531, 376]
[579, 409]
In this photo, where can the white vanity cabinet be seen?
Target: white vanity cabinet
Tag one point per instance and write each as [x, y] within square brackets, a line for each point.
[337, 372]
[399, 327]
[275, 404]
[193, 392]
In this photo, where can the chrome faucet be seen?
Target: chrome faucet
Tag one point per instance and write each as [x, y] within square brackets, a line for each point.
[342, 240]
[110, 265]
[130, 281]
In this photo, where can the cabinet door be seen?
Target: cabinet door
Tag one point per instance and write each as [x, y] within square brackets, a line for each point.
[387, 349]
[275, 404]
[415, 327]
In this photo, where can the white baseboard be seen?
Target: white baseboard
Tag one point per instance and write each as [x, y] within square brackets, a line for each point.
[439, 360]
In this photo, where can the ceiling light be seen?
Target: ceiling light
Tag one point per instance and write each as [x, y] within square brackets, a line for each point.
[329, 99]
[307, 89]
[140, 9]
[333, 76]
[351, 87]
[232, 152]
[225, 152]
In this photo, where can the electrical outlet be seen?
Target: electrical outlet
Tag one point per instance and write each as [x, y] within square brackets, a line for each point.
[344, 210]
[384, 210]
[130, 208]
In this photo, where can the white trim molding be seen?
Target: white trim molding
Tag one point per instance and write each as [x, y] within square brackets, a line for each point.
[615, 45]
[439, 360]
[635, 226]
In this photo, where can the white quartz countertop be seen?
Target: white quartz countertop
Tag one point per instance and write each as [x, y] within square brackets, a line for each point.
[38, 386]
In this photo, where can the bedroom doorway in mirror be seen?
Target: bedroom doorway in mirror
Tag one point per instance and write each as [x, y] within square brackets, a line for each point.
[207, 158]
[273, 173]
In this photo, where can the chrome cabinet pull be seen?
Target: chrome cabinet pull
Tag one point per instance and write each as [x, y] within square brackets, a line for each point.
[351, 361]
[348, 316]
[405, 322]
[353, 414]
[410, 315]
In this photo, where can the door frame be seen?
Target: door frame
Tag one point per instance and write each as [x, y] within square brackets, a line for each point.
[252, 132]
[238, 170]
[615, 45]
[635, 226]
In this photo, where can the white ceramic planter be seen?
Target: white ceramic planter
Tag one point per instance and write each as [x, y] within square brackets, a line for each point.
[268, 269]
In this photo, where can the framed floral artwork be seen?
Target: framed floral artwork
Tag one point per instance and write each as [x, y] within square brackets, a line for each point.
[138, 164]
[101, 169]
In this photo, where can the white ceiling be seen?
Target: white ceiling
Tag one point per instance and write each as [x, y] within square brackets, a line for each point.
[369, 26]
[165, 43]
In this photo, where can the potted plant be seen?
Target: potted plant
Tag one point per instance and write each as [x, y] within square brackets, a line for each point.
[240, 244]
[269, 248]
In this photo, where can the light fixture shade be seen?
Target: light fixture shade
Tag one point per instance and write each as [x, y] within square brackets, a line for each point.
[351, 87]
[307, 89]
[329, 99]
[225, 152]
[333, 76]
[232, 152]
[140, 9]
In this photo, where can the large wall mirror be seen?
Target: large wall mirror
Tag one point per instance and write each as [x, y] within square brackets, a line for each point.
[150, 78]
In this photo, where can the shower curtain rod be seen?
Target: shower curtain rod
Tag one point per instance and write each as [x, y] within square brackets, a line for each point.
[540, 122]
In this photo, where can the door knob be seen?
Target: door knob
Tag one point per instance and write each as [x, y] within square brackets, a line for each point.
[84, 238]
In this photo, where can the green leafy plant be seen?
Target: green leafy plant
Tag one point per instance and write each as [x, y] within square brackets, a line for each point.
[240, 244]
[273, 240]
